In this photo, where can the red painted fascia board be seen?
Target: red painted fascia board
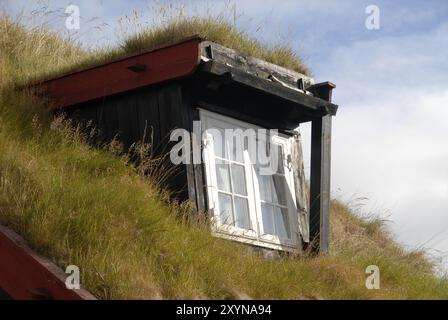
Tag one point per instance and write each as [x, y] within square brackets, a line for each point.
[161, 64]
[23, 272]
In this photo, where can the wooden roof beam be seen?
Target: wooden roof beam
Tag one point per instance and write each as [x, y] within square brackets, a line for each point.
[313, 105]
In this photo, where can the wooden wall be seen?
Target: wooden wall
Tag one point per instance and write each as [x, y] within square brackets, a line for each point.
[151, 112]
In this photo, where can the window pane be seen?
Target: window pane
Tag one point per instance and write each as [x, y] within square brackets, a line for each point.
[262, 154]
[234, 142]
[264, 183]
[280, 194]
[270, 157]
[282, 223]
[241, 213]
[225, 209]
[273, 188]
[239, 179]
[280, 163]
[268, 221]
[223, 177]
[218, 142]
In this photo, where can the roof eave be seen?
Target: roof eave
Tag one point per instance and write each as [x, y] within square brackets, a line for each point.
[312, 104]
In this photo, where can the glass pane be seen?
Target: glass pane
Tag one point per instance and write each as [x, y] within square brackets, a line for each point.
[282, 223]
[270, 158]
[239, 148]
[280, 165]
[262, 155]
[218, 142]
[268, 221]
[225, 209]
[264, 183]
[239, 179]
[223, 177]
[234, 144]
[279, 184]
[241, 213]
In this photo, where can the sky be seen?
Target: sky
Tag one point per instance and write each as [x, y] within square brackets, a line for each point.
[390, 149]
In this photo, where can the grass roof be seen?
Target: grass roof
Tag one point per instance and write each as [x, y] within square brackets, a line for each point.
[58, 56]
[217, 30]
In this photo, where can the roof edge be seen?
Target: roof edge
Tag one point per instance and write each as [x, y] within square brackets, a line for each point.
[117, 59]
[153, 66]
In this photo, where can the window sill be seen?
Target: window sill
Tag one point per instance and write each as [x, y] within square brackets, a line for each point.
[257, 242]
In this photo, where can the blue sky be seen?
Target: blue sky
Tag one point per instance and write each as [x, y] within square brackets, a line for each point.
[391, 130]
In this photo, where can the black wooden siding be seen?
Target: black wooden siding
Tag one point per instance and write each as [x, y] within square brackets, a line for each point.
[148, 112]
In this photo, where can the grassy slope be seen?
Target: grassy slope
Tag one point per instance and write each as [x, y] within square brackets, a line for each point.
[87, 207]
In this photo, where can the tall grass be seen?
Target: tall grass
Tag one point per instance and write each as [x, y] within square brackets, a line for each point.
[216, 29]
[90, 207]
[171, 23]
[32, 51]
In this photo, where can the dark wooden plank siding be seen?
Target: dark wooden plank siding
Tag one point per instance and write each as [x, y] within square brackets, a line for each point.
[89, 114]
[128, 120]
[171, 117]
[149, 113]
[148, 116]
[107, 119]
[170, 112]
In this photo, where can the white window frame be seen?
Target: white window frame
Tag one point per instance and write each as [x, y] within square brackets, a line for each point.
[256, 236]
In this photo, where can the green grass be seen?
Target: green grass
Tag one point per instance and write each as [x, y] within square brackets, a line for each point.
[217, 30]
[89, 207]
[60, 56]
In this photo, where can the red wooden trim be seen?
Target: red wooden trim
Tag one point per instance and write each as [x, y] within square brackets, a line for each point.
[158, 65]
[26, 275]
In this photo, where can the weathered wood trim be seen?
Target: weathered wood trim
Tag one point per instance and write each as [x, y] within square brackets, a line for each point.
[193, 192]
[323, 90]
[199, 175]
[313, 105]
[320, 183]
[301, 193]
[320, 173]
[26, 275]
[255, 66]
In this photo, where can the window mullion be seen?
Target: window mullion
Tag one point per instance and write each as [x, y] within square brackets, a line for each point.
[252, 191]
[232, 193]
[212, 184]
[292, 206]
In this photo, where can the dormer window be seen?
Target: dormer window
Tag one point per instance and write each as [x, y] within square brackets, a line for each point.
[250, 184]
[196, 79]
